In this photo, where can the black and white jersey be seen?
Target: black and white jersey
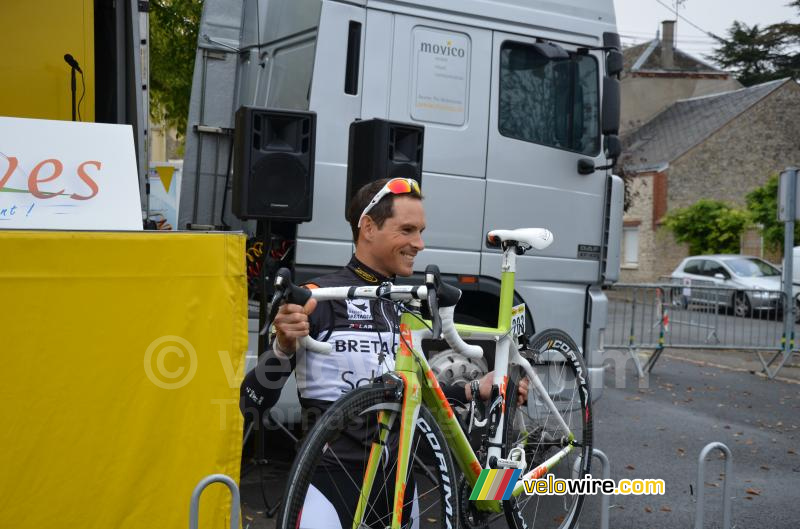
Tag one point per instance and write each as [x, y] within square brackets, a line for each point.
[364, 335]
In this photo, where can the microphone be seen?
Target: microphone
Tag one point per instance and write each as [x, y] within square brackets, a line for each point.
[72, 62]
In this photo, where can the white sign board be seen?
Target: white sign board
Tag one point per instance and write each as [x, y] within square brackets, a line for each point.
[440, 76]
[68, 176]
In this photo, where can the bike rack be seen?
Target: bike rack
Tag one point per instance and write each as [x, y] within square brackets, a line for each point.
[606, 499]
[194, 505]
[726, 498]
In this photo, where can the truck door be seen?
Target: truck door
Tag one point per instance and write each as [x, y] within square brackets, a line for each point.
[437, 74]
[544, 117]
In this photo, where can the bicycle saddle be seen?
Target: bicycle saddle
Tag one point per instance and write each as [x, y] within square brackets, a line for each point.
[539, 238]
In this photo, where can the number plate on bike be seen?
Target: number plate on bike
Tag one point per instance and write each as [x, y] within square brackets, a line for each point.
[518, 320]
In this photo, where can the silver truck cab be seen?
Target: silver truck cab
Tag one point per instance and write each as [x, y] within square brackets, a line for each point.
[511, 95]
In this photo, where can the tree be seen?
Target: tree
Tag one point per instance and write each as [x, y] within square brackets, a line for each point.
[709, 226]
[174, 25]
[762, 203]
[758, 54]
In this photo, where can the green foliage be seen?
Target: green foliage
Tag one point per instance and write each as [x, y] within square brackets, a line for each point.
[762, 203]
[173, 41]
[708, 226]
[758, 55]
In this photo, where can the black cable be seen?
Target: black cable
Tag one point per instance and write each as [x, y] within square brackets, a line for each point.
[83, 93]
[225, 190]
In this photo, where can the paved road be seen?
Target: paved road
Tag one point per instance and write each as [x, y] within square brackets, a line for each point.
[658, 432]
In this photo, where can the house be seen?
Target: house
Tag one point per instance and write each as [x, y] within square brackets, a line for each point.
[718, 146]
[656, 74]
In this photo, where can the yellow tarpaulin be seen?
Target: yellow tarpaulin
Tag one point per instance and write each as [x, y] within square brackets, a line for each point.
[122, 355]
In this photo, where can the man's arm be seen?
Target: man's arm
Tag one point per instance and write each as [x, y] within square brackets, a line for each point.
[262, 386]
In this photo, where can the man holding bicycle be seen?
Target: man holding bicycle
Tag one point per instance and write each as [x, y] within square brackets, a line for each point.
[387, 219]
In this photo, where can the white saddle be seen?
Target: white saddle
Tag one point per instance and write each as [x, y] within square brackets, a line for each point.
[538, 238]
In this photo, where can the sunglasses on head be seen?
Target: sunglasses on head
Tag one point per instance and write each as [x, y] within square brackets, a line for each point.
[395, 186]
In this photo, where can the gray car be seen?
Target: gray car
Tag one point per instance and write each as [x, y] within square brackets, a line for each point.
[741, 283]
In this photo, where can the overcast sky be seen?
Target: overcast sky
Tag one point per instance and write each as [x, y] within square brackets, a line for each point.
[638, 20]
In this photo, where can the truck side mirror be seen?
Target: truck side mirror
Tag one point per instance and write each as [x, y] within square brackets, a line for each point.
[612, 147]
[611, 105]
[613, 63]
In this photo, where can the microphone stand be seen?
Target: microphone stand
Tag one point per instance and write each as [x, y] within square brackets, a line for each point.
[73, 89]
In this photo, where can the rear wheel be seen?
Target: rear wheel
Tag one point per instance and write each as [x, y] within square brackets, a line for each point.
[741, 305]
[325, 481]
[532, 427]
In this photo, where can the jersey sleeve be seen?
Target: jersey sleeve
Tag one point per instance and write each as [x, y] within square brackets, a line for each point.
[262, 386]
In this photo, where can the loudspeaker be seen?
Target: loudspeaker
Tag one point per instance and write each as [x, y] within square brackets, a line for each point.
[273, 175]
[382, 149]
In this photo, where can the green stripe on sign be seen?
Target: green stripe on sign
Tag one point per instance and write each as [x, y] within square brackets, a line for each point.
[479, 484]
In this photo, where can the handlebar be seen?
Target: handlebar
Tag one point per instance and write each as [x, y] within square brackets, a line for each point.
[441, 298]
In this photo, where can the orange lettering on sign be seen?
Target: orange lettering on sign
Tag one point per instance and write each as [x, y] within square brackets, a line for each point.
[34, 181]
[87, 179]
[12, 166]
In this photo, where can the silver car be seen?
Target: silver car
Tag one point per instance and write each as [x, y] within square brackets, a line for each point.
[741, 283]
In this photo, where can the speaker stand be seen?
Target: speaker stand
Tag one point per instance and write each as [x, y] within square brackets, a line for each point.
[271, 233]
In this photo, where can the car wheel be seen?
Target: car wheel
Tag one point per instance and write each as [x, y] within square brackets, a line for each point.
[741, 305]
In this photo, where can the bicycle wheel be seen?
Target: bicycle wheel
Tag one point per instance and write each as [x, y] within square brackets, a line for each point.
[325, 480]
[534, 428]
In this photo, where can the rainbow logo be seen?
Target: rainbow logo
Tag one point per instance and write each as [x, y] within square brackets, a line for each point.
[495, 484]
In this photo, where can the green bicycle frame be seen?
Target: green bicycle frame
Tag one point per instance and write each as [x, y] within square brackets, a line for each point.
[421, 386]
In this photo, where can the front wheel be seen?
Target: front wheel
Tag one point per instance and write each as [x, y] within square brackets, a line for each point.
[534, 428]
[325, 483]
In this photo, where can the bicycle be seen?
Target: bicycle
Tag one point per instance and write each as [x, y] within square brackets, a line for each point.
[381, 454]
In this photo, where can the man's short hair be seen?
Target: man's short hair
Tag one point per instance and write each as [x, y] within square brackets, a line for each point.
[380, 212]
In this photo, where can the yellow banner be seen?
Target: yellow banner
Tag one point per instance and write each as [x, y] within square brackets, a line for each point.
[122, 355]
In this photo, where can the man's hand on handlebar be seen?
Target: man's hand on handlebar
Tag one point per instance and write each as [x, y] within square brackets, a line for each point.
[291, 323]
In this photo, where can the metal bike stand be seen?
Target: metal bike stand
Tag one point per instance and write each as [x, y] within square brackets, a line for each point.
[726, 498]
[194, 505]
[633, 351]
[605, 500]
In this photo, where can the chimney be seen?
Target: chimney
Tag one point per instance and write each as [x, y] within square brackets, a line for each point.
[667, 44]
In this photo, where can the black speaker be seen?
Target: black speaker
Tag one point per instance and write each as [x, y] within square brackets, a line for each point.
[382, 149]
[273, 174]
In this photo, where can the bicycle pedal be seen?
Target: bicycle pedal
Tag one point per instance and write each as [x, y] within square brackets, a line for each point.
[510, 463]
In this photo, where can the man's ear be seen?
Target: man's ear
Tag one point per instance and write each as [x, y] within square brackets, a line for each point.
[367, 229]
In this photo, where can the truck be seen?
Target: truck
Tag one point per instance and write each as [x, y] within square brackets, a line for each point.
[519, 100]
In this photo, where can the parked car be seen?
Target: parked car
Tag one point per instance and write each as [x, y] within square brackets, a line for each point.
[741, 283]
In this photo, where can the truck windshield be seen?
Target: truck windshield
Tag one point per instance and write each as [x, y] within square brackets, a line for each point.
[553, 102]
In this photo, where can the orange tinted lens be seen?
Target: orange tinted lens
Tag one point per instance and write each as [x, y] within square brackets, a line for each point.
[398, 186]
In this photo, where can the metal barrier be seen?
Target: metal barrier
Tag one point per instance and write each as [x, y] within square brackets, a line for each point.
[194, 505]
[726, 497]
[658, 315]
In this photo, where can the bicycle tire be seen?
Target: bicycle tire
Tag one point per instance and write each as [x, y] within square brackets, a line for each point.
[432, 483]
[562, 370]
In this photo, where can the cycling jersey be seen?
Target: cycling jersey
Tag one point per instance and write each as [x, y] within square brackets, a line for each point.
[364, 336]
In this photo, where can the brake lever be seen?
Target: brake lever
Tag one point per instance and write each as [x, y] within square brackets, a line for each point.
[432, 281]
[282, 279]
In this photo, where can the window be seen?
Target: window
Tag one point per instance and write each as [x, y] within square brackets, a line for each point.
[630, 245]
[553, 102]
[693, 267]
[712, 268]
